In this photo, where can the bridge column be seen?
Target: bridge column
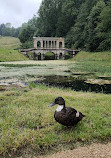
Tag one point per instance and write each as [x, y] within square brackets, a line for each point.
[44, 44]
[47, 44]
[55, 56]
[51, 44]
[57, 46]
[41, 44]
[34, 55]
[37, 57]
[63, 56]
[42, 56]
[73, 53]
[63, 45]
[35, 44]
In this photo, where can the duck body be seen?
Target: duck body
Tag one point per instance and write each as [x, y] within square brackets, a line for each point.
[67, 116]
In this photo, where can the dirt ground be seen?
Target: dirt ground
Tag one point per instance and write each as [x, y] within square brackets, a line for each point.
[91, 151]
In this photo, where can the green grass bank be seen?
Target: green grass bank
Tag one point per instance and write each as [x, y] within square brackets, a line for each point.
[7, 52]
[9, 43]
[26, 121]
[93, 56]
[98, 63]
[11, 55]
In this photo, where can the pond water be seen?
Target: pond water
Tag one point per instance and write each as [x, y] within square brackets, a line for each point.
[77, 84]
[54, 73]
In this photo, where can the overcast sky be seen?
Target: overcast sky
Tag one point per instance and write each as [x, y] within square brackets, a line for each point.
[18, 11]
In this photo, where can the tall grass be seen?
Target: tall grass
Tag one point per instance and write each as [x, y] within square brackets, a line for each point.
[26, 120]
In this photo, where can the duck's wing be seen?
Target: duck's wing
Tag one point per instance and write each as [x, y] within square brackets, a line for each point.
[71, 111]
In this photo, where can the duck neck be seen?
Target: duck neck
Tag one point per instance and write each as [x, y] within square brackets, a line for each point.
[60, 107]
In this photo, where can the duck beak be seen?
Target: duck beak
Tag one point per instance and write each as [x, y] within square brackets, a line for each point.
[52, 104]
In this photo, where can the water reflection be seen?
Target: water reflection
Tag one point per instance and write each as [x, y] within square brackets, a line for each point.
[75, 83]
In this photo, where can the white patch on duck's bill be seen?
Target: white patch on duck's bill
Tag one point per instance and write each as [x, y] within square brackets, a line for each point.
[77, 114]
[59, 108]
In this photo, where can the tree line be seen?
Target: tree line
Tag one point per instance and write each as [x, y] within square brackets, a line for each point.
[8, 30]
[85, 24]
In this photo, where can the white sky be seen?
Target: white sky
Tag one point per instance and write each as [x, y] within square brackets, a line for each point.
[17, 12]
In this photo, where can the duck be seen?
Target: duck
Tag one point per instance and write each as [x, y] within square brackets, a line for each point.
[66, 116]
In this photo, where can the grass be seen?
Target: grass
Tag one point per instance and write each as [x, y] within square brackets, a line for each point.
[98, 63]
[27, 122]
[9, 42]
[94, 56]
[20, 65]
[7, 52]
[11, 55]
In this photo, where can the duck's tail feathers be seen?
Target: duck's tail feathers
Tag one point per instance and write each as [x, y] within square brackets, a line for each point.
[83, 115]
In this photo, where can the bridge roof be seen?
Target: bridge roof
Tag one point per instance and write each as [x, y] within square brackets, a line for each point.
[49, 38]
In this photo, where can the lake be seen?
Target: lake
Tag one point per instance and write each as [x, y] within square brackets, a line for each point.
[52, 73]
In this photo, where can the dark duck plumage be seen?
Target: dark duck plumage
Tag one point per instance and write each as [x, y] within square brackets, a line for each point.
[66, 115]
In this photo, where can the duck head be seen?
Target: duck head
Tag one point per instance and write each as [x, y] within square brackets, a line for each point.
[59, 100]
[61, 103]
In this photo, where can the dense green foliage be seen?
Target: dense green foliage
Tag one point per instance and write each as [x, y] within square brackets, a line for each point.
[7, 30]
[85, 24]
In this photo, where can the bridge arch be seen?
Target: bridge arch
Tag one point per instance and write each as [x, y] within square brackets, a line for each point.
[67, 55]
[38, 44]
[38, 55]
[49, 55]
[60, 45]
[60, 55]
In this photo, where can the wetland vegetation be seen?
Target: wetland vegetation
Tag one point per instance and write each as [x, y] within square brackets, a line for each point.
[79, 73]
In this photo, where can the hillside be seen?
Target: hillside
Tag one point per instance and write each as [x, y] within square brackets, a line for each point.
[7, 52]
[98, 63]
[11, 55]
[9, 42]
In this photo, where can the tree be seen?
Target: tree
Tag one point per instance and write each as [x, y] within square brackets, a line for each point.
[8, 25]
[2, 26]
[79, 30]
[104, 28]
[7, 30]
[27, 30]
[66, 19]
[93, 40]
[48, 16]
[85, 24]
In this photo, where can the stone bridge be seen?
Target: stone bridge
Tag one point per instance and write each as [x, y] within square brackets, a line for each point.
[54, 45]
